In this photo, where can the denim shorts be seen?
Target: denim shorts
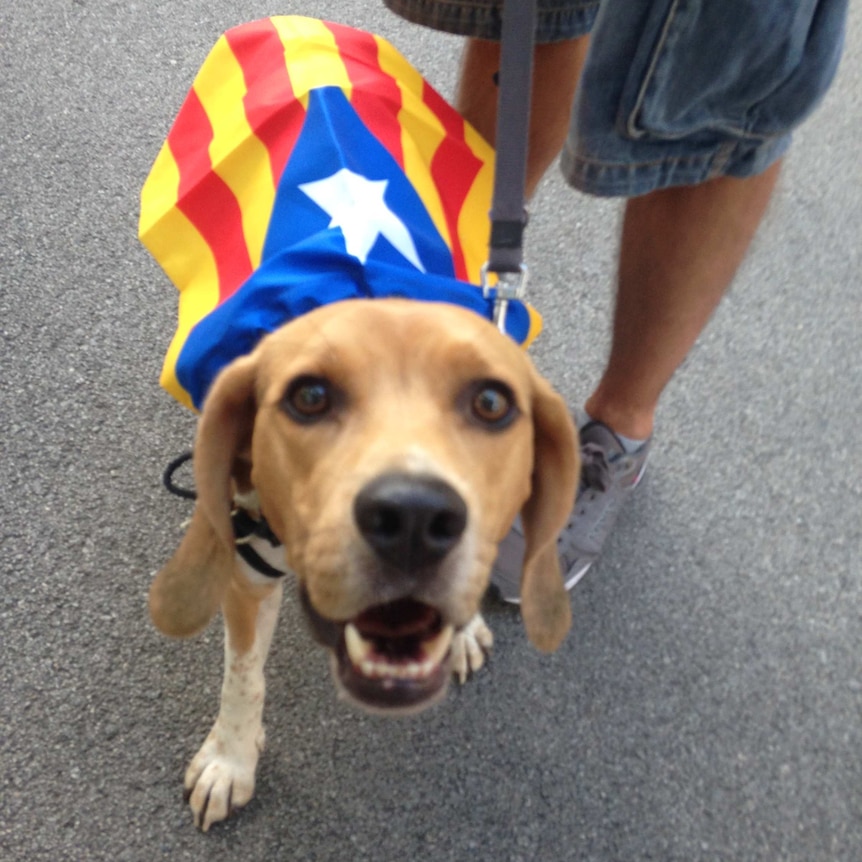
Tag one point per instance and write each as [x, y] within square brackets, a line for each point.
[674, 92]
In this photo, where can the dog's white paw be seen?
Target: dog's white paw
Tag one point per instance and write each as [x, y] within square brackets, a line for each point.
[220, 778]
[470, 647]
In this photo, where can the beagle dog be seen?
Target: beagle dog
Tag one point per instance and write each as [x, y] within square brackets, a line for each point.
[388, 444]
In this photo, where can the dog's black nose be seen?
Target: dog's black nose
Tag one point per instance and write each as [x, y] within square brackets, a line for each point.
[410, 521]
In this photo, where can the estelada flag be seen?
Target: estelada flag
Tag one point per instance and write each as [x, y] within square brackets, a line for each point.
[311, 163]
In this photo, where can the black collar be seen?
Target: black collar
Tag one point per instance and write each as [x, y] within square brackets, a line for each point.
[245, 530]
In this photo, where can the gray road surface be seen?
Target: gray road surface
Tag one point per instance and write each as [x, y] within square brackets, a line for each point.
[707, 703]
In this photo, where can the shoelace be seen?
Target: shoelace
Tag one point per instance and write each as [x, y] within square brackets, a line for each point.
[595, 470]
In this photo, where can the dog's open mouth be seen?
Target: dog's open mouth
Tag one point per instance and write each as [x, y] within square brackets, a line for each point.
[392, 657]
[395, 655]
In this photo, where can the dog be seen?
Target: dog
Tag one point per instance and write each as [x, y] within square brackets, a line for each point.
[379, 449]
[390, 468]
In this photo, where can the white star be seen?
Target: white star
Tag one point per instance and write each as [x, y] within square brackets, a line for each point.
[357, 207]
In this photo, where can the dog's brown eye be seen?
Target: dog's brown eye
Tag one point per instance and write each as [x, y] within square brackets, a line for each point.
[493, 404]
[307, 399]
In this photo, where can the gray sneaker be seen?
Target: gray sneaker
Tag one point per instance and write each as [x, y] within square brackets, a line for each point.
[608, 476]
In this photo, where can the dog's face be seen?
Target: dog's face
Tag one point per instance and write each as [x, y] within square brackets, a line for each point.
[391, 444]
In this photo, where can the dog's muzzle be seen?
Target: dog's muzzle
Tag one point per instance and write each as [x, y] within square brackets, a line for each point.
[395, 656]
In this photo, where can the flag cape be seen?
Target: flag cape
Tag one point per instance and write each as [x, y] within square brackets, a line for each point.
[311, 163]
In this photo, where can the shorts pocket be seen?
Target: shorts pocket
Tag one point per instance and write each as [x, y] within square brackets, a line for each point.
[743, 68]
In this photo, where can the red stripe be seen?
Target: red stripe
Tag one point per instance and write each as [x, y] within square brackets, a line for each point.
[376, 96]
[271, 108]
[205, 199]
[454, 169]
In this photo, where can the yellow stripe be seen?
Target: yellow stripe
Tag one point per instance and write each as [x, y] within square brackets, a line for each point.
[311, 55]
[477, 206]
[237, 155]
[421, 132]
[535, 326]
[185, 257]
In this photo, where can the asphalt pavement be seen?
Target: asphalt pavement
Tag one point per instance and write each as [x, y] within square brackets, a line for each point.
[707, 704]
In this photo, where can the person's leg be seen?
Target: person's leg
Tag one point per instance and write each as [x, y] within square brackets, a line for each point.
[556, 70]
[680, 249]
[680, 246]
[679, 252]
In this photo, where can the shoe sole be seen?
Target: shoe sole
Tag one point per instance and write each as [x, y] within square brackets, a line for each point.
[573, 579]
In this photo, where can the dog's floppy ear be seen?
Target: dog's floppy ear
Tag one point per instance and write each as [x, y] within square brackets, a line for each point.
[187, 592]
[544, 602]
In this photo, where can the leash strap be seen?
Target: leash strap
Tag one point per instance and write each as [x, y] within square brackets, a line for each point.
[508, 211]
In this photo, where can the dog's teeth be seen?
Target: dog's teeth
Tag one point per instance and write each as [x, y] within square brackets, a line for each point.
[369, 668]
[358, 648]
[361, 653]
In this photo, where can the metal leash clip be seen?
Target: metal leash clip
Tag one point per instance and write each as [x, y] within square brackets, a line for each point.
[509, 286]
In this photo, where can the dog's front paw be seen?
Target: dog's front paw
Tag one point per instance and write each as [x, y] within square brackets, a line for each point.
[220, 778]
[469, 648]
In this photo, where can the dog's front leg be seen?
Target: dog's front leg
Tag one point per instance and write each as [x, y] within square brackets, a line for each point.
[221, 776]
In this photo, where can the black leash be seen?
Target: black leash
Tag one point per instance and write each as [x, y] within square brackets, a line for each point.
[168, 478]
[508, 209]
